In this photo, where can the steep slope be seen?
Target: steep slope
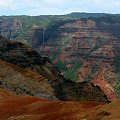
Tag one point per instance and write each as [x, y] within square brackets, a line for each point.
[106, 79]
[5, 94]
[83, 52]
[37, 76]
[19, 27]
[23, 28]
[24, 82]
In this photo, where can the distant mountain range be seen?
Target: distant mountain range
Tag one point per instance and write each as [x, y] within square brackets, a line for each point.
[21, 28]
[85, 15]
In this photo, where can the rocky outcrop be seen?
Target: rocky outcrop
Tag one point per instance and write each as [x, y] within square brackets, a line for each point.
[34, 75]
[82, 50]
[36, 36]
[106, 79]
[16, 28]
[10, 28]
[113, 28]
[82, 92]
[5, 94]
[24, 82]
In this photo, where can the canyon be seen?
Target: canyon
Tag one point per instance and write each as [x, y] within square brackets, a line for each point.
[84, 52]
[24, 72]
[83, 49]
[60, 67]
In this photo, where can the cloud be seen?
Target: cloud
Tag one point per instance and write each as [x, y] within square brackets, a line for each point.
[44, 11]
[5, 3]
[45, 7]
[54, 11]
[54, 1]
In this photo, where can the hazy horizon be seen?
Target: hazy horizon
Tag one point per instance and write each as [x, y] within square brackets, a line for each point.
[57, 7]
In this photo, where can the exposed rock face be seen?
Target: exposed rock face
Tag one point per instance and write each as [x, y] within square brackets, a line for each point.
[5, 94]
[36, 36]
[113, 28]
[37, 76]
[83, 50]
[106, 79]
[23, 82]
[10, 28]
[16, 29]
[81, 92]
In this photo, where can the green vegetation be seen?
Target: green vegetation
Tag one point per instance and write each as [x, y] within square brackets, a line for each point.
[117, 64]
[97, 45]
[61, 65]
[117, 70]
[86, 15]
[50, 22]
[95, 68]
[53, 27]
[88, 78]
[71, 73]
[117, 87]
[108, 18]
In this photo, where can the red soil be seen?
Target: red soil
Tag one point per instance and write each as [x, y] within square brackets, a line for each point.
[104, 85]
[4, 93]
[30, 108]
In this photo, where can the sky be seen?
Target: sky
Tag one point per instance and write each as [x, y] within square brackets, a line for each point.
[57, 7]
